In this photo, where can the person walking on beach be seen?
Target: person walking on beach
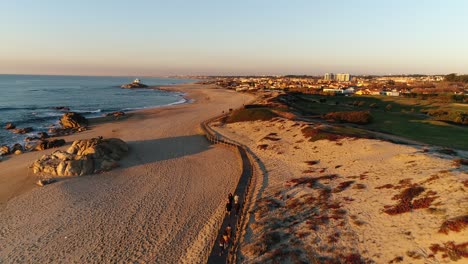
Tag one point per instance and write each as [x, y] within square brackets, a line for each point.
[236, 198]
[228, 208]
[226, 239]
[221, 246]
[230, 197]
[228, 230]
[237, 208]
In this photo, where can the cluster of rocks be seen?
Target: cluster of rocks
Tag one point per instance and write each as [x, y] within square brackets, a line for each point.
[115, 114]
[134, 84]
[70, 122]
[83, 157]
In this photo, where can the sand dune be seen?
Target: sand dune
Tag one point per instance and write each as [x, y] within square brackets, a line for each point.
[349, 200]
[163, 204]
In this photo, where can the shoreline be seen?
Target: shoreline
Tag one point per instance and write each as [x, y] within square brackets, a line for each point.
[94, 123]
[99, 114]
[171, 184]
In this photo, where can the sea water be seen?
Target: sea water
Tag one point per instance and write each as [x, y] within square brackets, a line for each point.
[32, 100]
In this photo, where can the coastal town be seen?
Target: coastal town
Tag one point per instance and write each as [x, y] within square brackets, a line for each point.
[344, 84]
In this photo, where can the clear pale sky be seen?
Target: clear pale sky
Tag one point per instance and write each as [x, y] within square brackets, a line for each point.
[151, 37]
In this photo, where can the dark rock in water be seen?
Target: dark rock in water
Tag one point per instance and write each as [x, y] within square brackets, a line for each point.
[29, 139]
[62, 108]
[29, 146]
[135, 84]
[43, 182]
[115, 114]
[22, 130]
[9, 126]
[16, 147]
[46, 144]
[43, 135]
[73, 120]
[5, 150]
[83, 157]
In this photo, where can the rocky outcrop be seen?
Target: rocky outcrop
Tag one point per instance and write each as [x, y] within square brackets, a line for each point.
[43, 182]
[115, 114]
[134, 85]
[5, 150]
[47, 144]
[10, 126]
[42, 135]
[22, 130]
[62, 108]
[83, 157]
[73, 120]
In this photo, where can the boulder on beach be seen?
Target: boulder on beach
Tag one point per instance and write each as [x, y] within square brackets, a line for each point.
[4, 150]
[23, 130]
[47, 144]
[9, 126]
[16, 147]
[115, 114]
[82, 158]
[73, 120]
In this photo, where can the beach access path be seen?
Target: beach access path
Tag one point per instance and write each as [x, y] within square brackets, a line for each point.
[163, 205]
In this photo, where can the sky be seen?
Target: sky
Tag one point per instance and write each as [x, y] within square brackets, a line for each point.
[242, 37]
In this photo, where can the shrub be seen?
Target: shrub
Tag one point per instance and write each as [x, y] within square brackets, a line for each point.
[455, 224]
[356, 117]
[251, 114]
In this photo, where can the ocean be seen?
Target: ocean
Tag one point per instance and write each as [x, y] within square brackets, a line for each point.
[32, 100]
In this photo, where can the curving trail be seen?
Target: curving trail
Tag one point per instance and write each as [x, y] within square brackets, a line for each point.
[162, 206]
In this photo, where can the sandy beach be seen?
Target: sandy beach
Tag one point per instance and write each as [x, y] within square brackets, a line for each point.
[162, 205]
[350, 200]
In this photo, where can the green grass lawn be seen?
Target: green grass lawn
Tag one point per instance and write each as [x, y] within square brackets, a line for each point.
[403, 119]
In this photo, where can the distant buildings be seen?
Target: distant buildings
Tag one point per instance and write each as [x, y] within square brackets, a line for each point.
[339, 77]
[343, 77]
[329, 77]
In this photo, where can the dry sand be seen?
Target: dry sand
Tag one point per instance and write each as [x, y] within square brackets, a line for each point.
[325, 221]
[163, 205]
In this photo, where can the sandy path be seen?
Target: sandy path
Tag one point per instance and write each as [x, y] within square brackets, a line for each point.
[161, 206]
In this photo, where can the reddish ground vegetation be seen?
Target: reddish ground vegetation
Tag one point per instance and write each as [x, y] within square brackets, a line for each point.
[271, 138]
[359, 186]
[310, 181]
[430, 179]
[343, 186]
[406, 203]
[465, 183]
[262, 146]
[396, 260]
[452, 250]
[312, 162]
[386, 186]
[314, 134]
[455, 224]
[356, 117]
[333, 238]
